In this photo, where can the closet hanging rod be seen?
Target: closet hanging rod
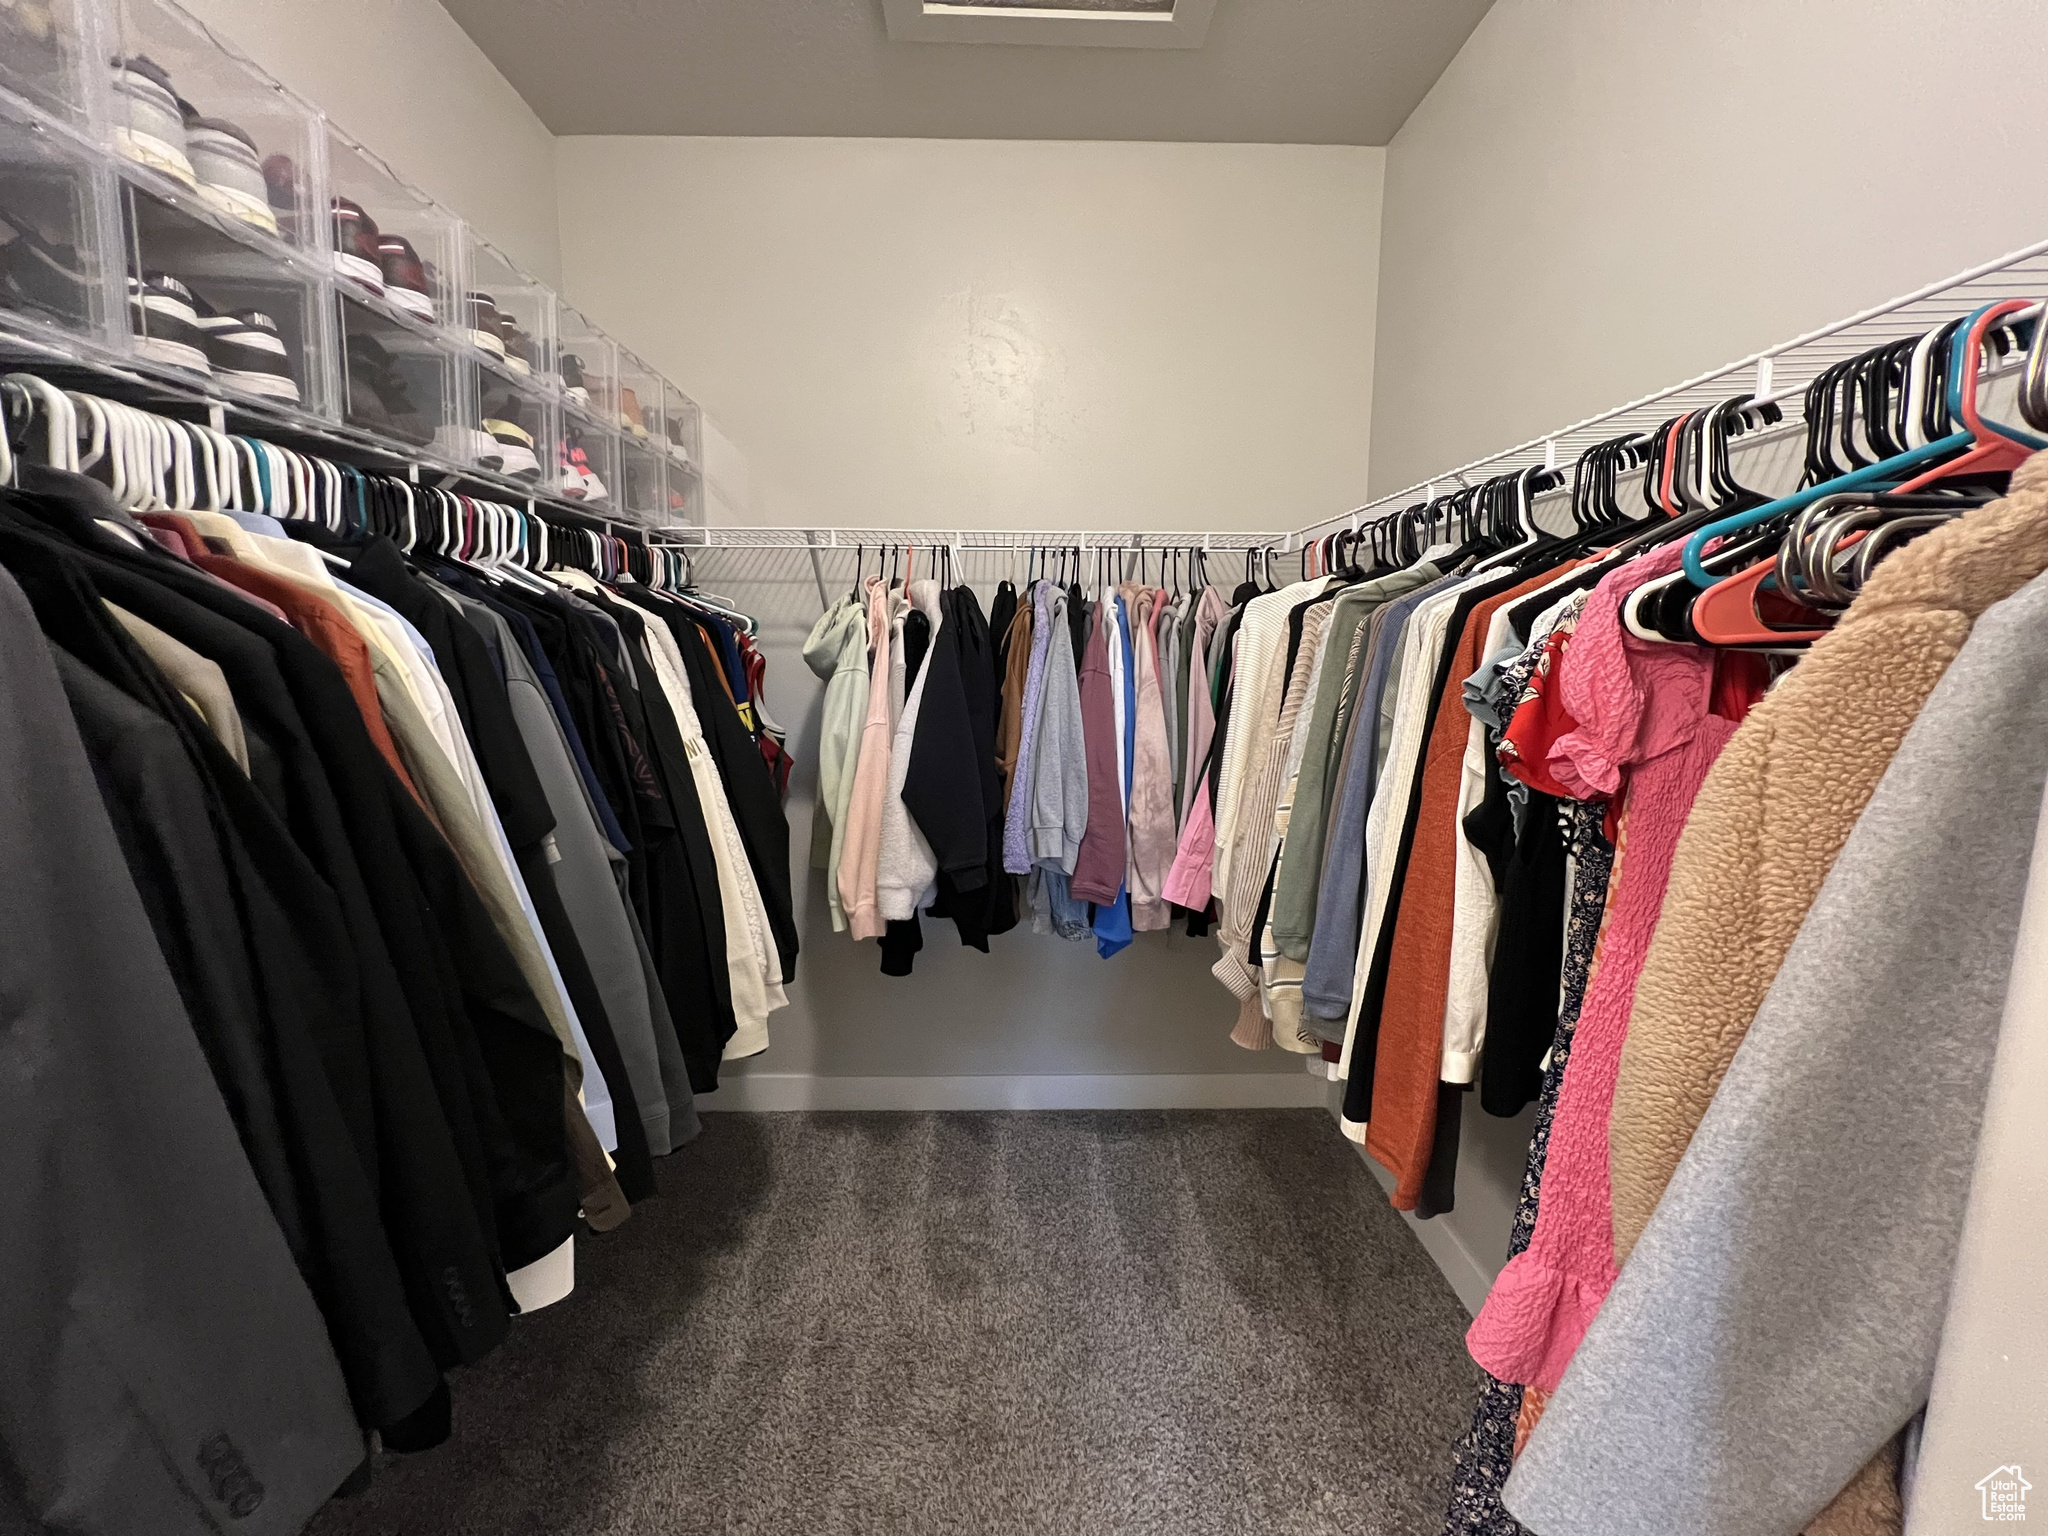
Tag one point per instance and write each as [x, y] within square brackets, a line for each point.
[1019, 540]
[1777, 373]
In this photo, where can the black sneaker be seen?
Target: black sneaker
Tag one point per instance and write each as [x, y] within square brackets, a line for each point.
[518, 345]
[485, 329]
[247, 352]
[377, 395]
[42, 276]
[571, 369]
[166, 321]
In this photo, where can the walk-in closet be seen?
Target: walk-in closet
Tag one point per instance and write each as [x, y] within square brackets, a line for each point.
[1117, 767]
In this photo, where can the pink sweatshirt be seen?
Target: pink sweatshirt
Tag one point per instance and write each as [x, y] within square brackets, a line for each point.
[1187, 884]
[1645, 738]
[860, 856]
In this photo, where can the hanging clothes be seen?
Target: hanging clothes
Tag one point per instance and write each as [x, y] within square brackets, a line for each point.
[1027, 700]
[859, 869]
[1151, 797]
[1769, 824]
[836, 651]
[1485, 1456]
[1644, 712]
[144, 1199]
[1861, 1084]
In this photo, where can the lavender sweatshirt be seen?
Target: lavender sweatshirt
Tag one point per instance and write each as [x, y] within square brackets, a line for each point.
[1017, 822]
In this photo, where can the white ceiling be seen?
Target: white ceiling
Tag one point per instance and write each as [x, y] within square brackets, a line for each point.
[1271, 72]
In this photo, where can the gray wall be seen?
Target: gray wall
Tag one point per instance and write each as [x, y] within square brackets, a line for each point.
[1601, 197]
[928, 332]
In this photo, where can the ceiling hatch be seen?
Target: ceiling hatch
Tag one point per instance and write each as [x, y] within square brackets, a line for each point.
[1061, 23]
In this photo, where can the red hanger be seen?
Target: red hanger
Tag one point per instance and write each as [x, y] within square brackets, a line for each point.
[1671, 463]
[1733, 611]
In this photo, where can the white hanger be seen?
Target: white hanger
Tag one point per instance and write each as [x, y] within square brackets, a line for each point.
[60, 421]
[223, 489]
[126, 456]
[183, 478]
[96, 416]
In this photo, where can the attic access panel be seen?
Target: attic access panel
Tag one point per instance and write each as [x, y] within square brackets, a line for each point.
[1067, 23]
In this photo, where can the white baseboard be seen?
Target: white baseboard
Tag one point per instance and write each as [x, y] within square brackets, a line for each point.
[1132, 1090]
[1461, 1267]
[1470, 1278]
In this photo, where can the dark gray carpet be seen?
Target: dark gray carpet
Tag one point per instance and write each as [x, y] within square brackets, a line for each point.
[1180, 1322]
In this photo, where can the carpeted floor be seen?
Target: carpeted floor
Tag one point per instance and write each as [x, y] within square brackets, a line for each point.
[1179, 1322]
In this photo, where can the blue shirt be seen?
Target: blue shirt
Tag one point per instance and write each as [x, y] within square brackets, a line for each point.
[1113, 923]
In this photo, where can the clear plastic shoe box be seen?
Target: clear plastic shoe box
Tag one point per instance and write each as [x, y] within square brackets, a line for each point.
[215, 134]
[643, 486]
[219, 167]
[508, 326]
[51, 57]
[60, 274]
[683, 429]
[167, 205]
[587, 362]
[397, 261]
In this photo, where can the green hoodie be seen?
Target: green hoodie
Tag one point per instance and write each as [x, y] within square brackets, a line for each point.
[837, 651]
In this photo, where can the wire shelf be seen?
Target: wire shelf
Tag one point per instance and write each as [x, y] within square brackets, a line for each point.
[1779, 373]
[1020, 540]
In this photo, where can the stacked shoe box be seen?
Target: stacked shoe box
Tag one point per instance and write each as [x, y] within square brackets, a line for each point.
[60, 276]
[586, 459]
[683, 440]
[168, 207]
[642, 457]
[397, 259]
[219, 171]
[508, 322]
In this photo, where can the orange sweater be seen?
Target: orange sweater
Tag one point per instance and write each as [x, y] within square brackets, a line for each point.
[1409, 1055]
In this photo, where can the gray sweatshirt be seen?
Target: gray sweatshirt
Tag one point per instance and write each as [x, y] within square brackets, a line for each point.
[1059, 783]
[1778, 1320]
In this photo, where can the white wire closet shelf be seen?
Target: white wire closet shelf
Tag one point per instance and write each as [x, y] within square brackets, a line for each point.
[1088, 540]
[1780, 373]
